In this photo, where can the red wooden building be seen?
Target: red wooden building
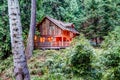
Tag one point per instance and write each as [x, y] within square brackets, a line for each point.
[54, 34]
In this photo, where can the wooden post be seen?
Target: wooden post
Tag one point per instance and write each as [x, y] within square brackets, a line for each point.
[62, 41]
[51, 42]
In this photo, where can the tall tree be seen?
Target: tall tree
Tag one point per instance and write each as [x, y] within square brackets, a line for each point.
[99, 19]
[21, 71]
[30, 42]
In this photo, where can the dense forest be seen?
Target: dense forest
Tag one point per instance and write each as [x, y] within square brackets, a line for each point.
[93, 55]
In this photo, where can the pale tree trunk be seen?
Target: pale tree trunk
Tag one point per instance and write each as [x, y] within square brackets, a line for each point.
[30, 40]
[21, 71]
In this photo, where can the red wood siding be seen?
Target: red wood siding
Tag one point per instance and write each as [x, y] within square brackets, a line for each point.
[49, 28]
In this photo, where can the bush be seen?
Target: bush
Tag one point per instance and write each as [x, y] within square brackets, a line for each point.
[84, 60]
[81, 60]
[111, 63]
[117, 73]
[111, 58]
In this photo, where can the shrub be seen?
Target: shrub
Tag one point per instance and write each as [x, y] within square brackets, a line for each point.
[117, 73]
[111, 58]
[81, 60]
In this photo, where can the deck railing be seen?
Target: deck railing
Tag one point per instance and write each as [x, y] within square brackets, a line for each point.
[52, 44]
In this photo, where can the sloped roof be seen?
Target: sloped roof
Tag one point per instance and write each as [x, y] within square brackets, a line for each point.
[62, 25]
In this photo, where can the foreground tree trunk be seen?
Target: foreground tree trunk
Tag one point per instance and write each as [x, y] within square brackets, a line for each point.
[20, 64]
[30, 41]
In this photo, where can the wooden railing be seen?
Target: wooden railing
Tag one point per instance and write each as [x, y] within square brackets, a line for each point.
[52, 44]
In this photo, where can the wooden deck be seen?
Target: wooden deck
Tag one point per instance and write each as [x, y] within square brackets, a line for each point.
[51, 45]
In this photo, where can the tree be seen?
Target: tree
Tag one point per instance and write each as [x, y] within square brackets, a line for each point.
[5, 49]
[5, 45]
[100, 18]
[20, 64]
[30, 42]
[110, 58]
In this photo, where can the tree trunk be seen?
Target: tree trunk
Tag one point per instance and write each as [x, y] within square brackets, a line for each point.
[96, 41]
[30, 41]
[21, 71]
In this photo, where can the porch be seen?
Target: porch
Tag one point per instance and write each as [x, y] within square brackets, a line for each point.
[51, 45]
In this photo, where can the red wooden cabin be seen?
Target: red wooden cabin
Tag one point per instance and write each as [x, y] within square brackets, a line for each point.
[54, 34]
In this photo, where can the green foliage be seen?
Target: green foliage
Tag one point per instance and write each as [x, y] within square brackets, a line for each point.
[5, 64]
[53, 65]
[81, 40]
[5, 45]
[110, 59]
[82, 59]
[112, 40]
[4, 31]
[56, 64]
[100, 17]
[111, 63]
[116, 73]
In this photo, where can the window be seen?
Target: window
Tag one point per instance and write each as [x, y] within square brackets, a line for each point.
[35, 37]
[42, 39]
[50, 39]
